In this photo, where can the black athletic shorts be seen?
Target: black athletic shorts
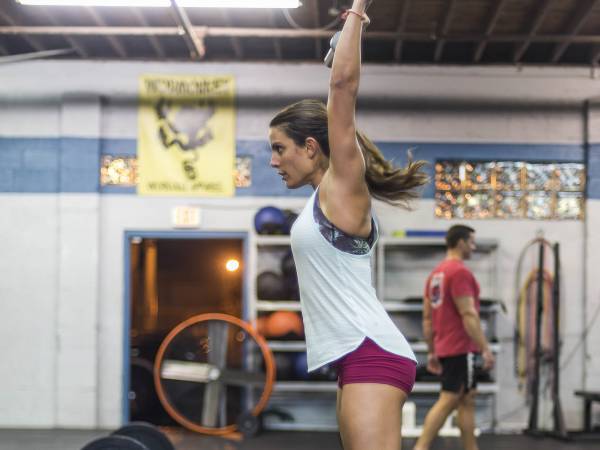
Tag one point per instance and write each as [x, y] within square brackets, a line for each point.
[458, 373]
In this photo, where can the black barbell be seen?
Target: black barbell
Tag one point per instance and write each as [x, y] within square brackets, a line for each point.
[134, 436]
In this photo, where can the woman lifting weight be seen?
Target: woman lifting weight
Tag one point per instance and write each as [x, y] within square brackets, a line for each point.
[332, 241]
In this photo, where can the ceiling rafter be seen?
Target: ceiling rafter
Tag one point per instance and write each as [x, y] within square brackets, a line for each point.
[284, 33]
[276, 41]
[578, 19]
[74, 43]
[495, 12]
[543, 6]
[595, 55]
[402, 18]
[442, 29]
[153, 40]
[193, 39]
[317, 23]
[34, 43]
[112, 40]
[236, 44]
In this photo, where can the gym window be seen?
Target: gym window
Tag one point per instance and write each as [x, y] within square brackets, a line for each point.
[123, 171]
[509, 190]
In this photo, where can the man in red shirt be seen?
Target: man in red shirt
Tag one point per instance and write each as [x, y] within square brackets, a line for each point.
[453, 334]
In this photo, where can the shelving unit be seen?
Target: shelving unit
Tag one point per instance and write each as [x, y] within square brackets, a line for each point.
[400, 267]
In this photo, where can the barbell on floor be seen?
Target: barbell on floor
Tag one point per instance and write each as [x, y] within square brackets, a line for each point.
[134, 436]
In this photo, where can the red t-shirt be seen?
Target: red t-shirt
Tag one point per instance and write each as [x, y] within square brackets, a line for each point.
[449, 280]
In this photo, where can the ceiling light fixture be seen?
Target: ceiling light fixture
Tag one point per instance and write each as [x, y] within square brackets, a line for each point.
[165, 3]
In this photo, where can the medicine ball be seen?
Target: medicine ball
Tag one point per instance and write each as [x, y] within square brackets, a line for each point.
[270, 286]
[292, 288]
[285, 325]
[284, 366]
[270, 220]
[288, 266]
[300, 366]
[290, 218]
[261, 325]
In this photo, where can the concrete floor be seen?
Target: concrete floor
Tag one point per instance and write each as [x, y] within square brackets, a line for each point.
[75, 440]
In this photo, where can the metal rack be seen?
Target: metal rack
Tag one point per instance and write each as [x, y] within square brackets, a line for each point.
[398, 263]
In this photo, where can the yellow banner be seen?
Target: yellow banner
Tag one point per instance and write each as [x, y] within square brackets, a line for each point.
[186, 135]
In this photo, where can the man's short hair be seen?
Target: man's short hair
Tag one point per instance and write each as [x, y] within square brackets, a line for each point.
[456, 233]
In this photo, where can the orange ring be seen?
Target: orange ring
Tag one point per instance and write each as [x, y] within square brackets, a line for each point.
[266, 353]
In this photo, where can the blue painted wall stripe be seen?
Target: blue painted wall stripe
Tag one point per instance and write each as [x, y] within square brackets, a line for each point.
[73, 164]
[593, 167]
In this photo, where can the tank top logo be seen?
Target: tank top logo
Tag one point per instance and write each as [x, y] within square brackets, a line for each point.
[436, 289]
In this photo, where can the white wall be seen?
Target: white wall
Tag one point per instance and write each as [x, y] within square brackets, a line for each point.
[61, 315]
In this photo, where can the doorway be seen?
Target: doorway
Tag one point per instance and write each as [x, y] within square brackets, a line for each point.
[170, 277]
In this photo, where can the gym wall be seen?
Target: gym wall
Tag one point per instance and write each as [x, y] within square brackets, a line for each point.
[62, 308]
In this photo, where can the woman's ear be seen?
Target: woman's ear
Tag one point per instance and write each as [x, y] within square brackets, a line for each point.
[312, 147]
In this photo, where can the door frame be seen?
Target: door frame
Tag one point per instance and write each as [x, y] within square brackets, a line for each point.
[170, 234]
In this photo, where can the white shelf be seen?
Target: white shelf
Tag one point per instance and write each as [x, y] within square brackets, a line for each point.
[277, 305]
[482, 244]
[273, 240]
[400, 306]
[389, 305]
[434, 387]
[331, 386]
[305, 386]
[287, 346]
[422, 347]
[300, 346]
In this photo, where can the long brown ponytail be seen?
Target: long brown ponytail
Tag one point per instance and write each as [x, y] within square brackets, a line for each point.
[394, 185]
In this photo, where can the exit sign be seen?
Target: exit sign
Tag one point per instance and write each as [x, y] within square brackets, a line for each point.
[186, 217]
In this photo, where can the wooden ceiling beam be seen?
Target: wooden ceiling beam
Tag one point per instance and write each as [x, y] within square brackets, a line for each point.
[276, 40]
[153, 40]
[236, 44]
[578, 19]
[74, 43]
[285, 33]
[543, 6]
[33, 43]
[113, 41]
[442, 29]
[314, 9]
[402, 18]
[595, 55]
[495, 12]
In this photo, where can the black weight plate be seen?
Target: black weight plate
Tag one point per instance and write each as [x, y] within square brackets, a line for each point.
[249, 425]
[147, 434]
[115, 443]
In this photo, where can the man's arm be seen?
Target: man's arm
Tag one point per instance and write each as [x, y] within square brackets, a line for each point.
[433, 364]
[427, 326]
[472, 324]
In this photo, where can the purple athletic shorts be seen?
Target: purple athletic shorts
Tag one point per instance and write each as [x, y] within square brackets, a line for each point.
[369, 363]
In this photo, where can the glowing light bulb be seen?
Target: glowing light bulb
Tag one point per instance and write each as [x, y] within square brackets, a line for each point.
[232, 265]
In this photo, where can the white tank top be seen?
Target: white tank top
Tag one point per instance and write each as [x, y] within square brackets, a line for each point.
[339, 304]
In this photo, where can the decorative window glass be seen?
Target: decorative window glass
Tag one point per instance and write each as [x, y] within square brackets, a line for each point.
[243, 171]
[509, 189]
[118, 170]
[123, 171]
